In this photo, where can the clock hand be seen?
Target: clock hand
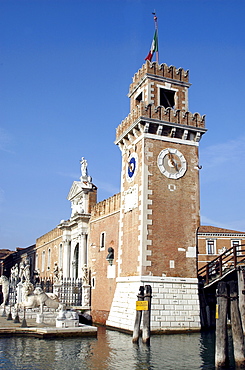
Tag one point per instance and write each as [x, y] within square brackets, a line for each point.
[173, 162]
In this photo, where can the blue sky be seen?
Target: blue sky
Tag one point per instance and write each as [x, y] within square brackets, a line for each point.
[65, 69]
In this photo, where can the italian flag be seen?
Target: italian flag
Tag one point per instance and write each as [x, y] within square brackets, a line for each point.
[154, 47]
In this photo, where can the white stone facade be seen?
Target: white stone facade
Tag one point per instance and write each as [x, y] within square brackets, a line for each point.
[174, 305]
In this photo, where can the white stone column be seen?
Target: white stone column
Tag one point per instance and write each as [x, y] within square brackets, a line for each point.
[82, 254]
[66, 258]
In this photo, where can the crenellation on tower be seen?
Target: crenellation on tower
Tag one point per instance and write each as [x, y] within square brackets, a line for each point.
[159, 106]
[159, 117]
[161, 70]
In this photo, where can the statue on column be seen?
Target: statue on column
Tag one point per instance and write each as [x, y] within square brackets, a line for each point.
[5, 289]
[27, 271]
[85, 275]
[84, 165]
[58, 274]
[14, 274]
[84, 170]
[21, 271]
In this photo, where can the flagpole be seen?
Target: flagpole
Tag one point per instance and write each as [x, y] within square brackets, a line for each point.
[156, 28]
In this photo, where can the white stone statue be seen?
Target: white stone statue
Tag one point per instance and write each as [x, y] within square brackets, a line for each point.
[85, 275]
[77, 205]
[21, 271]
[84, 165]
[86, 296]
[60, 274]
[5, 289]
[14, 274]
[56, 272]
[38, 298]
[26, 271]
[27, 289]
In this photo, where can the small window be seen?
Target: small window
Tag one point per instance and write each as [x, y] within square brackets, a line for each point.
[236, 243]
[210, 247]
[167, 98]
[139, 98]
[43, 260]
[36, 263]
[61, 256]
[102, 240]
[49, 259]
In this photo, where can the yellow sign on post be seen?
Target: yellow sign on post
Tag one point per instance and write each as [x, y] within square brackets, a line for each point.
[141, 305]
[217, 311]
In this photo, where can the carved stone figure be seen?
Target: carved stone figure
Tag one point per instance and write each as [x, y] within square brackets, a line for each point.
[5, 289]
[77, 205]
[86, 296]
[27, 289]
[27, 269]
[85, 275]
[21, 271]
[84, 165]
[60, 275]
[14, 274]
[39, 298]
[36, 276]
[56, 272]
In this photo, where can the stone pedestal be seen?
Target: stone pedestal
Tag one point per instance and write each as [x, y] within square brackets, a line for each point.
[67, 319]
[40, 318]
[19, 292]
[56, 288]
[86, 296]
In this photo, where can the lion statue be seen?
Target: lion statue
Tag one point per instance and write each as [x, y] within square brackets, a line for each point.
[38, 298]
[5, 289]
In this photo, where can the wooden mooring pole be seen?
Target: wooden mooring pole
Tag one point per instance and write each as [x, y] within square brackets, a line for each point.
[136, 333]
[236, 327]
[221, 343]
[146, 331]
[241, 294]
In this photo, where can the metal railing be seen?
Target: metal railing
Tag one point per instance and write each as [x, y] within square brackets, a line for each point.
[225, 262]
[69, 292]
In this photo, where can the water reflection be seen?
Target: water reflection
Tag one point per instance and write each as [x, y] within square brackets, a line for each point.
[111, 350]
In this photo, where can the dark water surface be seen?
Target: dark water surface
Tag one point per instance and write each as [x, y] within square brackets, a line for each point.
[111, 350]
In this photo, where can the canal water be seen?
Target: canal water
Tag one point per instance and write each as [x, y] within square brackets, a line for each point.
[111, 350]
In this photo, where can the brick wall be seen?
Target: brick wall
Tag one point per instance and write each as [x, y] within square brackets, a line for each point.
[103, 276]
[50, 241]
[175, 214]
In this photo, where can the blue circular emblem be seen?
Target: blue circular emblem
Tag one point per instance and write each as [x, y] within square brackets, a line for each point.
[131, 167]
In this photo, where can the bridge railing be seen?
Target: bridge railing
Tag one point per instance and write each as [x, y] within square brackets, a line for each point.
[225, 262]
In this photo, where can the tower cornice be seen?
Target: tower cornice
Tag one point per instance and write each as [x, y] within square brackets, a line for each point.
[175, 123]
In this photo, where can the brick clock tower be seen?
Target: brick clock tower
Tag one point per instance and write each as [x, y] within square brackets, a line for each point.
[159, 213]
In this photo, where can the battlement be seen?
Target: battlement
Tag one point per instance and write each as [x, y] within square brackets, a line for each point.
[106, 207]
[164, 115]
[161, 70]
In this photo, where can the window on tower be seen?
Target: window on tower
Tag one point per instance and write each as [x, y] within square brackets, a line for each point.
[139, 98]
[167, 98]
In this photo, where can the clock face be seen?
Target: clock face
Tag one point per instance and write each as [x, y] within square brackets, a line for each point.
[172, 163]
[132, 166]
